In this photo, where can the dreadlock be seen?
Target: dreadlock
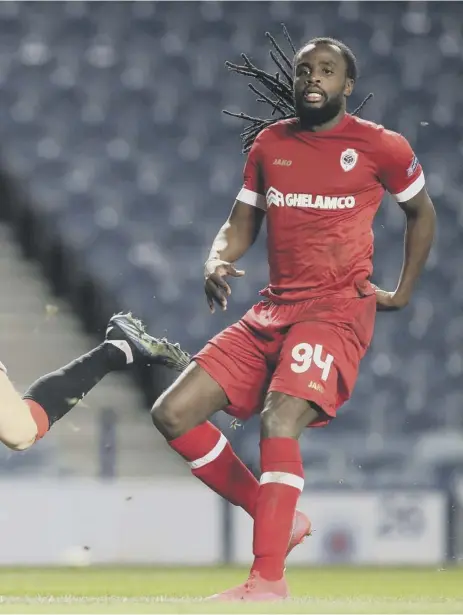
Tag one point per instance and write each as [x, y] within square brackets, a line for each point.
[280, 85]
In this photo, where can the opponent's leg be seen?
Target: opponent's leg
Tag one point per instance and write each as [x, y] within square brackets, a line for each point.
[18, 429]
[56, 393]
[23, 421]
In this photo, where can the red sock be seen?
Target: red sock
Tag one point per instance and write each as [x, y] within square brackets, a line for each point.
[281, 483]
[212, 460]
[40, 417]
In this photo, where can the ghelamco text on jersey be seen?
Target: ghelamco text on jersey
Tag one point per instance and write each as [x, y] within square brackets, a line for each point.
[313, 201]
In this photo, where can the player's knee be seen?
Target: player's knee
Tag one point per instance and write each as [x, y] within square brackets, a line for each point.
[19, 444]
[168, 418]
[18, 429]
[18, 439]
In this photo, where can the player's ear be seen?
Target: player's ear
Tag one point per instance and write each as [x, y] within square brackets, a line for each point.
[349, 87]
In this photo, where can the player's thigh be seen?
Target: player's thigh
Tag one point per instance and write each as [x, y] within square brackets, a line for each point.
[188, 402]
[236, 359]
[18, 430]
[319, 363]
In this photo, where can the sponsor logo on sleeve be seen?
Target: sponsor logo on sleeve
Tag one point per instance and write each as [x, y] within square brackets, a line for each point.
[413, 166]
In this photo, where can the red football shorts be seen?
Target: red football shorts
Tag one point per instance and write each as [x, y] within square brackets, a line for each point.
[310, 350]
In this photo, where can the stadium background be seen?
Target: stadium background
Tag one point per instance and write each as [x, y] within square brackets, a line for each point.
[117, 169]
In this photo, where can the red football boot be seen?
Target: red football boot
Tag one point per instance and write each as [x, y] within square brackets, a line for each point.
[256, 589]
[301, 528]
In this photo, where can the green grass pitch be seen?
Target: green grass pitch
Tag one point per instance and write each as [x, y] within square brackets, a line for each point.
[179, 590]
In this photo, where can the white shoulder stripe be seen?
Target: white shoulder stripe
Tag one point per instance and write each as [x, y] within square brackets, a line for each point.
[412, 190]
[252, 198]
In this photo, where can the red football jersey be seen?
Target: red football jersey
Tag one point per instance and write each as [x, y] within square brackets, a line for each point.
[321, 191]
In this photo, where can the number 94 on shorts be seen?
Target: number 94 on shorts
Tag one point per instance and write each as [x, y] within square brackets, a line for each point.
[305, 350]
[305, 355]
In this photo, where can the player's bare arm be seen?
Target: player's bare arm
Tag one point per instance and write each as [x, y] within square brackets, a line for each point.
[419, 235]
[233, 240]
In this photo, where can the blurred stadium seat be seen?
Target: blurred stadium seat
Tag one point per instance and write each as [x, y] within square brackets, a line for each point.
[111, 124]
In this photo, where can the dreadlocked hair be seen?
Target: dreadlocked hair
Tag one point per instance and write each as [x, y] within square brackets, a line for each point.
[280, 85]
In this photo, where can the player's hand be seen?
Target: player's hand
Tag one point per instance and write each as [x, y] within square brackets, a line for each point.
[389, 301]
[215, 287]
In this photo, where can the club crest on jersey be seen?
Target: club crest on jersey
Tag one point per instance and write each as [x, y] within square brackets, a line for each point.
[349, 159]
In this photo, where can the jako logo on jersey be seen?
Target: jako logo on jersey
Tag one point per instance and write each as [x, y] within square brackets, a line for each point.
[315, 385]
[349, 159]
[314, 201]
[413, 166]
[283, 163]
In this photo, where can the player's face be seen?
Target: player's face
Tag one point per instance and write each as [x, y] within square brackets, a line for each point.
[320, 83]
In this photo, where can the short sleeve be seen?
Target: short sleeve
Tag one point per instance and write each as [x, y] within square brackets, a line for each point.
[253, 191]
[398, 167]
